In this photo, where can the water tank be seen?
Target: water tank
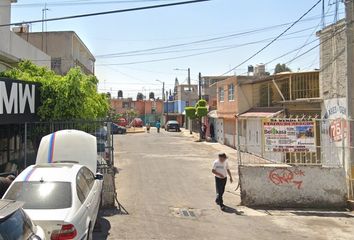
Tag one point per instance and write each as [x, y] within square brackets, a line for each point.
[120, 94]
[260, 70]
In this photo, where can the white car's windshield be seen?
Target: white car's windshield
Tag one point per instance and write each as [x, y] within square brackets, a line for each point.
[41, 195]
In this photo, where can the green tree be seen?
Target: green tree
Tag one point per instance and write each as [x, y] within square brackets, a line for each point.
[281, 68]
[70, 97]
[198, 112]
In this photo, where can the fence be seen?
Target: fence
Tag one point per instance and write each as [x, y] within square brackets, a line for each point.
[19, 142]
[297, 142]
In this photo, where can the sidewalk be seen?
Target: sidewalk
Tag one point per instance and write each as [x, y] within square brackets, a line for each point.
[230, 152]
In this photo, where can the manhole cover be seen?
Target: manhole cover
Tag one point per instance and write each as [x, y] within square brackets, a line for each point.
[185, 212]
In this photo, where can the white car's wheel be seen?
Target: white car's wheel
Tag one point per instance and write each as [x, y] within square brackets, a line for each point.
[89, 232]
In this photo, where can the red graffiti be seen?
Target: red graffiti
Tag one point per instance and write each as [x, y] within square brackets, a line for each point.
[283, 176]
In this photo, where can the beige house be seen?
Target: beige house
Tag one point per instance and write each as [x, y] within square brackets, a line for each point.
[65, 48]
[12, 47]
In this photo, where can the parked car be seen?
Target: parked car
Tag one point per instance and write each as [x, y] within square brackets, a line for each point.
[102, 149]
[122, 122]
[137, 122]
[15, 223]
[101, 133]
[116, 129]
[172, 125]
[61, 192]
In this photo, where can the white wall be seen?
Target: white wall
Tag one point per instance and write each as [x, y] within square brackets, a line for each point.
[285, 186]
[219, 130]
[14, 48]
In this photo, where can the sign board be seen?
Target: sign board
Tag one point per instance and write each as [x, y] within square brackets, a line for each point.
[19, 101]
[288, 136]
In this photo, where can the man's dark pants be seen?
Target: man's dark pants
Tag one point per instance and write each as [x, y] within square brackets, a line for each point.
[220, 184]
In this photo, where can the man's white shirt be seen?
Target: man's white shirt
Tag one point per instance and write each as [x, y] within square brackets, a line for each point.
[221, 167]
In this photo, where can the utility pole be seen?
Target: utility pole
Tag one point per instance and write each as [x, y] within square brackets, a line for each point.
[163, 91]
[44, 16]
[200, 86]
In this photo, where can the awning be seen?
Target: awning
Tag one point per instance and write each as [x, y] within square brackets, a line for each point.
[213, 114]
[261, 113]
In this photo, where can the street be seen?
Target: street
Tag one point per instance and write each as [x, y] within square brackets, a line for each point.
[166, 186]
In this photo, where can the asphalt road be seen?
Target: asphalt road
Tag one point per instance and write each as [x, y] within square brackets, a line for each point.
[166, 186]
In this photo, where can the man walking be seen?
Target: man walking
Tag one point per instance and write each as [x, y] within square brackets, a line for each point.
[220, 170]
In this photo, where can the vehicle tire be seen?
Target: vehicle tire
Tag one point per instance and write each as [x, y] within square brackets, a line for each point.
[89, 233]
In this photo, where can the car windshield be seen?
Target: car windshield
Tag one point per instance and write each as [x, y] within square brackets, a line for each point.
[41, 195]
[15, 227]
[172, 122]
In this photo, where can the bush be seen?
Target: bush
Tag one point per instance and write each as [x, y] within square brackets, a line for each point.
[202, 111]
[190, 112]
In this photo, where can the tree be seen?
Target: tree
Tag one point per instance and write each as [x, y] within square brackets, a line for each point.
[281, 68]
[152, 95]
[198, 112]
[70, 97]
[139, 96]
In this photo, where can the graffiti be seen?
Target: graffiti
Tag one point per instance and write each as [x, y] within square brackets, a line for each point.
[284, 176]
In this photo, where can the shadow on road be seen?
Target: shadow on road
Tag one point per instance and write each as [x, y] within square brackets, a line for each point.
[231, 210]
[102, 228]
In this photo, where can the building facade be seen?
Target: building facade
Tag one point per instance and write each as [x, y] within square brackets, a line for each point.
[65, 48]
[13, 48]
[150, 111]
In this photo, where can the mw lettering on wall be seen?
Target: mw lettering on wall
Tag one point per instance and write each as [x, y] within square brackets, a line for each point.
[19, 101]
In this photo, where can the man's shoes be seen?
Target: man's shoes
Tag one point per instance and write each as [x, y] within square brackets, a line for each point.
[222, 207]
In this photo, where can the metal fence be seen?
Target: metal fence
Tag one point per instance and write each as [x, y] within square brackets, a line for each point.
[297, 142]
[19, 143]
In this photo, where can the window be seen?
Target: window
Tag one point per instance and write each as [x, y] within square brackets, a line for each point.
[41, 195]
[16, 226]
[221, 94]
[231, 94]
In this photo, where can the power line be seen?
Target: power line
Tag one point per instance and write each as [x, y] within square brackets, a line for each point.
[275, 39]
[188, 55]
[80, 3]
[105, 13]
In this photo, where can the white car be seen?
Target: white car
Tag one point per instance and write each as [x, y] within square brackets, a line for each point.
[15, 224]
[62, 192]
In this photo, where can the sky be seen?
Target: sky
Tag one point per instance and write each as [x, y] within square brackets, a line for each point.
[213, 37]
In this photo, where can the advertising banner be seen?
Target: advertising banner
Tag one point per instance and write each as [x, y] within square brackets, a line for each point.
[288, 136]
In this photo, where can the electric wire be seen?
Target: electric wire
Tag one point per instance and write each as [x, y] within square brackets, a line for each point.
[274, 40]
[105, 12]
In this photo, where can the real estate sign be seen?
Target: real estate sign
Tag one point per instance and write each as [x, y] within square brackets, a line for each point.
[19, 101]
[289, 136]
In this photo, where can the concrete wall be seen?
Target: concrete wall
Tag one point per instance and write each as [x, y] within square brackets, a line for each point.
[65, 46]
[286, 186]
[12, 47]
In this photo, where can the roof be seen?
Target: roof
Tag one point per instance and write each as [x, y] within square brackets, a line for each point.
[266, 112]
[60, 172]
[7, 207]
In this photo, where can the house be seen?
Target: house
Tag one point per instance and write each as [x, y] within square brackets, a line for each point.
[231, 100]
[149, 111]
[209, 92]
[65, 48]
[186, 95]
[13, 49]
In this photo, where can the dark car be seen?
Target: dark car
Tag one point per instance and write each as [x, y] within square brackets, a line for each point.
[15, 224]
[116, 129]
[172, 125]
